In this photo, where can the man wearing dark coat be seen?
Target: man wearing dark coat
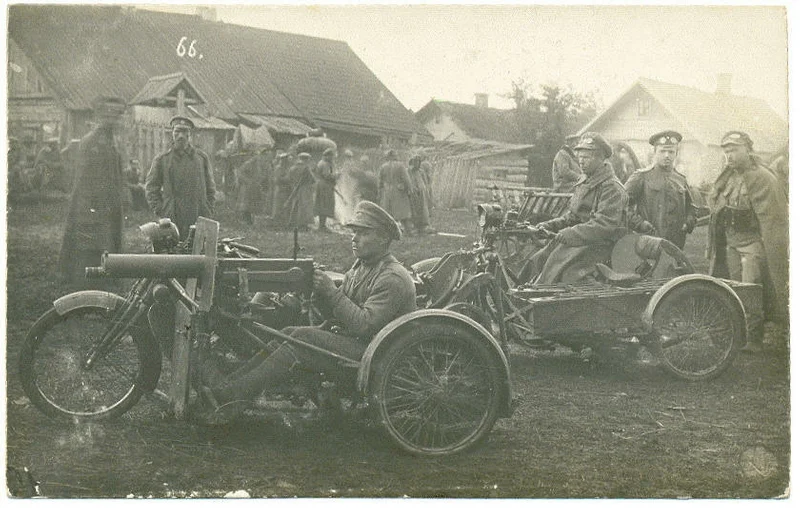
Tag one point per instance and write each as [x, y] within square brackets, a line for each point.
[749, 231]
[282, 188]
[395, 189]
[659, 202]
[324, 181]
[420, 206]
[566, 171]
[249, 185]
[593, 222]
[375, 291]
[94, 219]
[300, 203]
[180, 184]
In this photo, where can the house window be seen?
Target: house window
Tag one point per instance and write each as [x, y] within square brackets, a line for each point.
[437, 119]
[643, 105]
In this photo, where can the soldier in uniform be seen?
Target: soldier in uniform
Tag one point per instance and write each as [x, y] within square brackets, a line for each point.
[394, 184]
[376, 290]
[249, 185]
[282, 188]
[94, 219]
[420, 205]
[300, 202]
[749, 230]
[658, 196]
[180, 184]
[593, 222]
[324, 181]
[566, 171]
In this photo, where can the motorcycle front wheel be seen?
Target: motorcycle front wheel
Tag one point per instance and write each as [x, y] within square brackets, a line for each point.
[58, 382]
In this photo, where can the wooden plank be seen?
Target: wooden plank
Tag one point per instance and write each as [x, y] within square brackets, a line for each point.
[187, 324]
[181, 349]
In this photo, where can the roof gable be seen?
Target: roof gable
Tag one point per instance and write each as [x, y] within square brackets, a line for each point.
[161, 89]
[476, 121]
[84, 51]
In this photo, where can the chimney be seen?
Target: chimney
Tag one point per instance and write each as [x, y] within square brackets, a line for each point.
[207, 13]
[724, 83]
[482, 100]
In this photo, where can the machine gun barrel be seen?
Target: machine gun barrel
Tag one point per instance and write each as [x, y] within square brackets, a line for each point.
[136, 266]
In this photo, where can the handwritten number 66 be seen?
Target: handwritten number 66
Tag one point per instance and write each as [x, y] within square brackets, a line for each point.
[181, 49]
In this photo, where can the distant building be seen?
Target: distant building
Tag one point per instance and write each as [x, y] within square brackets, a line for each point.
[650, 106]
[456, 122]
[62, 56]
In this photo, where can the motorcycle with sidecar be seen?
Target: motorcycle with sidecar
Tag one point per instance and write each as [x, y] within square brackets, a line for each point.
[646, 295]
[434, 380]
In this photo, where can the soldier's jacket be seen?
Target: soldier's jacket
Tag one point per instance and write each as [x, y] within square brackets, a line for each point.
[770, 206]
[371, 296]
[180, 185]
[662, 198]
[324, 181]
[596, 209]
[395, 187]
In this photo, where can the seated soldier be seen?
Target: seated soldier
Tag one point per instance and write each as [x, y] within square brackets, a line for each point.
[375, 291]
[594, 221]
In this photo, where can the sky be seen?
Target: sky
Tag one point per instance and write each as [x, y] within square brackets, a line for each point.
[452, 52]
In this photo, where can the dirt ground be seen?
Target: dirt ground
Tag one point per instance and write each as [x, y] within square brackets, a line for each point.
[611, 428]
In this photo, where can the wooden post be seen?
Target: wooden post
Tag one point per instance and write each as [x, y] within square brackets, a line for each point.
[189, 326]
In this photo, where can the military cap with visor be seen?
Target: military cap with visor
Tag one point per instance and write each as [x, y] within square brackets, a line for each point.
[181, 123]
[666, 138]
[371, 216]
[594, 141]
[736, 138]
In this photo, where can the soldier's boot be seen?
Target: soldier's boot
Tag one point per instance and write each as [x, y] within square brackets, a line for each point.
[233, 393]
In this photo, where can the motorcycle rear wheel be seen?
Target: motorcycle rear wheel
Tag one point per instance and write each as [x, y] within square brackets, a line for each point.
[55, 380]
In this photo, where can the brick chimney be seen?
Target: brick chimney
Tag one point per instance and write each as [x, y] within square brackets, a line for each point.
[724, 83]
[482, 100]
[207, 13]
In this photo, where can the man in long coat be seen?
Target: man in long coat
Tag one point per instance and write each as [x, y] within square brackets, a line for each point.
[94, 219]
[180, 184]
[749, 231]
[593, 222]
[566, 171]
[420, 209]
[281, 188]
[300, 203]
[249, 185]
[395, 189]
[658, 196]
[324, 182]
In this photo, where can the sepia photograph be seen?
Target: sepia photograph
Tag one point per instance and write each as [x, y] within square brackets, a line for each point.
[431, 251]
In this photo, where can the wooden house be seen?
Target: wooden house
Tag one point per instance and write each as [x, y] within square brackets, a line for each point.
[63, 56]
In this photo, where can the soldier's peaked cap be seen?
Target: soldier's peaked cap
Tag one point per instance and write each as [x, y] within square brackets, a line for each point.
[181, 122]
[594, 141]
[736, 138]
[369, 215]
[665, 138]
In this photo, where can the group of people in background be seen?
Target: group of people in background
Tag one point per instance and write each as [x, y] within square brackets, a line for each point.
[748, 203]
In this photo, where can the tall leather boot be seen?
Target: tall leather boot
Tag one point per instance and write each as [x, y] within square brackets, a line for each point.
[259, 373]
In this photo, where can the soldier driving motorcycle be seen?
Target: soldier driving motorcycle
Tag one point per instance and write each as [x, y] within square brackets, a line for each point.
[376, 290]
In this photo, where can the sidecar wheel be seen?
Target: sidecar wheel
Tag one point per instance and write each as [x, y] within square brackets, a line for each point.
[698, 329]
[55, 380]
[437, 390]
